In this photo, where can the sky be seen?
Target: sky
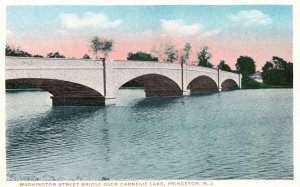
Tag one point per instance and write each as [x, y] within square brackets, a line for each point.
[258, 31]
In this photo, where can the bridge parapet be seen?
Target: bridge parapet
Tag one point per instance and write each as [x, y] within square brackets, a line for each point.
[202, 69]
[128, 64]
[229, 74]
[33, 62]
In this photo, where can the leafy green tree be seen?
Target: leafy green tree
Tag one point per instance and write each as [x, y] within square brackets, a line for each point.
[223, 66]
[16, 52]
[141, 56]
[171, 53]
[186, 51]
[95, 45]
[86, 56]
[245, 65]
[278, 72]
[203, 57]
[102, 44]
[55, 55]
[10, 51]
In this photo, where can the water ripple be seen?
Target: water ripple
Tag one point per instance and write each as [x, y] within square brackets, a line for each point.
[229, 135]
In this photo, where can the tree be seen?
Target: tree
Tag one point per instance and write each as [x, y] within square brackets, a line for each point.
[171, 53]
[10, 51]
[203, 57]
[55, 55]
[245, 65]
[16, 52]
[102, 44]
[278, 72]
[141, 56]
[223, 66]
[186, 51]
[86, 56]
[95, 45]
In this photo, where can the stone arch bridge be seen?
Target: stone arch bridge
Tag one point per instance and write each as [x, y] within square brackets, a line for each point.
[94, 82]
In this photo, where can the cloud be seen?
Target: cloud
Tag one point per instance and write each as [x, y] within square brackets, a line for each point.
[251, 17]
[179, 28]
[211, 33]
[88, 20]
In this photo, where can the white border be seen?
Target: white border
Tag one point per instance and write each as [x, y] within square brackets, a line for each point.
[231, 183]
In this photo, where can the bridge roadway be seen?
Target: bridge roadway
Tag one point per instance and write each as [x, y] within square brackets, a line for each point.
[94, 82]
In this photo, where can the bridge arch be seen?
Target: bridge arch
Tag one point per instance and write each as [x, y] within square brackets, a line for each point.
[157, 85]
[64, 92]
[229, 84]
[201, 84]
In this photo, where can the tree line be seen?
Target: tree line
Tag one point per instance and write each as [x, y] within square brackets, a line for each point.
[276, 72]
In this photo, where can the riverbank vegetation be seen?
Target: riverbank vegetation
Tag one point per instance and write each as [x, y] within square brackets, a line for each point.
[278, 72]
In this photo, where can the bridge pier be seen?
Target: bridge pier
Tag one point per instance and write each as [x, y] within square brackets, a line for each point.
[77, 100]
[186, 92]
[110, 101]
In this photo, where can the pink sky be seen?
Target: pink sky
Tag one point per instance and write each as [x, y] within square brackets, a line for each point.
[221, 47]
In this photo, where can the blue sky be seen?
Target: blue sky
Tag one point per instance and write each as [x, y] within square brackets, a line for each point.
[143, 17]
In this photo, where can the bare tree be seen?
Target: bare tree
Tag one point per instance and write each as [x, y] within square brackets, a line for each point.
[159, 52]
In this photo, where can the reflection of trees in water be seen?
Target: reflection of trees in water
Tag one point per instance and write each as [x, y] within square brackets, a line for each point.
[106, 142]
[105, 133]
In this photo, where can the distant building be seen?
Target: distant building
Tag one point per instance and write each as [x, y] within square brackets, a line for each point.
[257, 76]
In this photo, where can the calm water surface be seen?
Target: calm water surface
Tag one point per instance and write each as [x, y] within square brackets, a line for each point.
[244, 134]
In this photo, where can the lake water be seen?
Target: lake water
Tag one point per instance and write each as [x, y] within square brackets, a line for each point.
[243, 134]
